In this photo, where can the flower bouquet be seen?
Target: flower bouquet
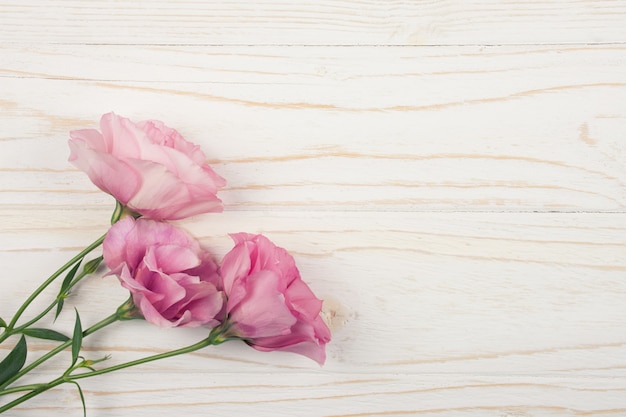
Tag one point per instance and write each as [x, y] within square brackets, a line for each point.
[255, 295]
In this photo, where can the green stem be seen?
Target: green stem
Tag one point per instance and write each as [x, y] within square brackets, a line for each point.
[111, 319]
[19, 329]
[214, 338]
[21, 388]
[29, 323]
[9, 329]
[40, 388]
[82, 275]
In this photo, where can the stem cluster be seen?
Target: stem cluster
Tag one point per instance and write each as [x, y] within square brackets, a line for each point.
[12, 367]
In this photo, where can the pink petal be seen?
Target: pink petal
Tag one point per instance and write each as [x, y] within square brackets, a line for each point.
[108, 173]
[174, 258]
[114, 245]
[263, 312]
[301, 299]
[236, 264]
[122, 137]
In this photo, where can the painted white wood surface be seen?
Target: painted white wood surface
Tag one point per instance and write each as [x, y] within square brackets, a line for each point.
[460, 207]
[447, 128]
[325, 22]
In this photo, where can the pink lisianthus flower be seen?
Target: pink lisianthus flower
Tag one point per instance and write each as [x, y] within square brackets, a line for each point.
[269, 306]
[172, 281]
[148, 167]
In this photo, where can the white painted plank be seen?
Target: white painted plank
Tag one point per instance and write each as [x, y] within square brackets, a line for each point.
[456, 128]
[432, 313]
[326, 22]
[316, 395]
[410, 292]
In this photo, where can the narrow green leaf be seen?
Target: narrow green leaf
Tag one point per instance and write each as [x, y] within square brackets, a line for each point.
[68, 279]
[46, 334]
[92, 266]
[14, 361]
[3, 323]
[65, 288]
[82, 398]
[77, 339]
[117, 213]
[59, 307]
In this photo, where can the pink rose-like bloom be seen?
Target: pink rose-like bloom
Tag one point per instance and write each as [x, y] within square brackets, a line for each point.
[268, 304]
[148, 167]
[172, 281]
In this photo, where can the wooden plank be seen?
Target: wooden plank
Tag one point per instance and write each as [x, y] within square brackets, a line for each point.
[325, 22]
[456, 128]
[316, 395]
[432, 314]
[499, 293]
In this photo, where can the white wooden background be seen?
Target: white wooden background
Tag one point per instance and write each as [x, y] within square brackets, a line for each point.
[450, 176]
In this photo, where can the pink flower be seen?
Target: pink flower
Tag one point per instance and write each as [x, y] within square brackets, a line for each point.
[172, 281]
[148, 167]
[269, 306]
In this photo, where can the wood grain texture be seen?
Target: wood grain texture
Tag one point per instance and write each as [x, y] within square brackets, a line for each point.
[326, 22]
[432, 313]
[341, 396]
[449, 176]
[456, 128]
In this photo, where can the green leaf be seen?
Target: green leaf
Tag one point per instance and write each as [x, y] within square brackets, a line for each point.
[68, 278]
[92, 266]
[14, 361]
[117, 213]
[3, 323]
[46, 334]
[77, 339]
[82, 398]
[59, 307]
[65, 288]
